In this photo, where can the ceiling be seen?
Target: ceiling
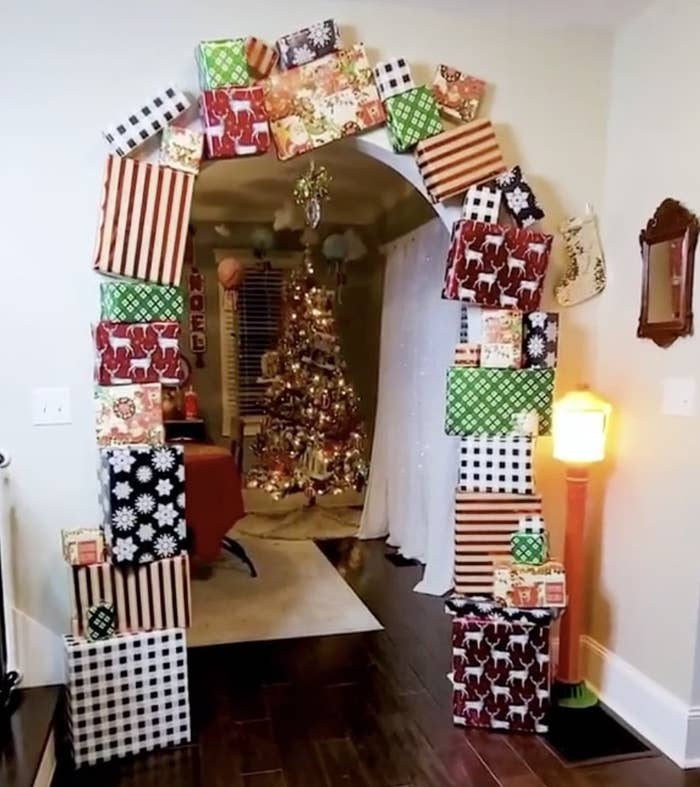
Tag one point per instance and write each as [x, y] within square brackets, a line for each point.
[252, 189]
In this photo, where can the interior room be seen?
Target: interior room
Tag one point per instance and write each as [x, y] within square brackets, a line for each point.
[350, 394]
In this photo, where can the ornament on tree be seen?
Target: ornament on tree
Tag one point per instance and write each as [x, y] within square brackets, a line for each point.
[230, 273]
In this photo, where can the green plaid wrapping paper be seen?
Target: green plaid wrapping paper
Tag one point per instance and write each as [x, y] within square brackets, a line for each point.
[529, 548]
[223, 63]
[411, 117]
[100, 621]
[485, 401]
[139, 302]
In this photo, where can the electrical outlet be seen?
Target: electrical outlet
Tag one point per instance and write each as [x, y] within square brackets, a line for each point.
[51, 406]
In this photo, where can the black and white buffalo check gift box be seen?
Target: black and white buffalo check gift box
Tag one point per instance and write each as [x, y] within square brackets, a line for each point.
[143, 502]
[393, 77]
[126, 695]
[497, 464]
[482, 203]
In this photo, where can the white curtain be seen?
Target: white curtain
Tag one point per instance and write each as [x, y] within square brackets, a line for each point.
[414, 465]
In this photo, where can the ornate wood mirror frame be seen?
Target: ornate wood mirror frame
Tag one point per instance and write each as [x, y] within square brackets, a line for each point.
[668, 259]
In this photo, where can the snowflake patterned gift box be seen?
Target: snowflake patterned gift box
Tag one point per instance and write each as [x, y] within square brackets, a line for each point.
[134, 301]
[491, 401]
[529, 544]
[540, 340]
[308, 44]
[458, 95]
[235, 122]
[492, 265]
[519, 198]
[142, 352]
[126, 695]
[222, 63]
[500, 665]
[181, 148]
[321, 102]
[502, 338]
[411, 117]
[143, 502]
[529, 586]
[129, 414]
[497, 464]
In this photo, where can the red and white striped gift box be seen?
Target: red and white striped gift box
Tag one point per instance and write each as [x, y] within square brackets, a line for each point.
[144, 215]
[145, 598]
[467, 354]
[453, 161]
[261, 57]
[484, 523]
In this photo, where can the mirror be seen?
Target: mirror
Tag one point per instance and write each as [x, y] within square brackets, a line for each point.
[668, 254]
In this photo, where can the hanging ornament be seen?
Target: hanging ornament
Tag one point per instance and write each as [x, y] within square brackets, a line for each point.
[310, 190]
[230, 273]
[262, 239]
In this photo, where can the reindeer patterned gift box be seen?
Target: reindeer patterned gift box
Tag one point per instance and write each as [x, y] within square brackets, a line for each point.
[235, 123]
[137, 353]
[500, 665]
[497, 266]
[129, 414]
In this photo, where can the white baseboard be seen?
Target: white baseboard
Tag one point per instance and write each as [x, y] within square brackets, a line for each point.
[39, 652]
[657, 714]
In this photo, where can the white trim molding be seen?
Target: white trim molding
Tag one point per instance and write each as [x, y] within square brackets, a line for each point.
[654, 712]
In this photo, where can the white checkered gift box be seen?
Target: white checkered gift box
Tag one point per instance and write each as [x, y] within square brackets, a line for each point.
[470, 324]
[147, 121]
[126, 695]
[497, 464]
[482, 203]
[393, 77]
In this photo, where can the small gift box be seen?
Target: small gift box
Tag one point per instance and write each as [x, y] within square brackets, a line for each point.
[146, 121]
[529, 586]
[181, 148]
[222, 63]
[235, 123]
[83, 547]
[526, 422]
[100, 621]
[145, 352]
[540, 340]
[470, 324]
[529, 544]
[497, 464]
[467, 354]
[457, 94]
[411, 117]
[519, 197]
[125, 301]
[308, 44]
[129, 414]
[453, 161]
[482, 203]
[393, 77]
[502, 339]
[261, 57]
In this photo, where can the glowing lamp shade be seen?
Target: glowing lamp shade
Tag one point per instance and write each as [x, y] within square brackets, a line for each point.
[580, 425]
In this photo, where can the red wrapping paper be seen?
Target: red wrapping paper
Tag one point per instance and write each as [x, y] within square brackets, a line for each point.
[137, 353]
[235, 122]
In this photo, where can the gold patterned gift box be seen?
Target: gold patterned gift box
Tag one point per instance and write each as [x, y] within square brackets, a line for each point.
[129, 414]
[528, 586]
[83, 547]
[181, 148]
[458, 95]
[502, 338]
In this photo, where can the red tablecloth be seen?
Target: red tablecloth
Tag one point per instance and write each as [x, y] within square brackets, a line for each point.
[214, 499]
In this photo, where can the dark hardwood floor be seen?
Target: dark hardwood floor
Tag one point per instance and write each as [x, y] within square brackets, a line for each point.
[357, 710]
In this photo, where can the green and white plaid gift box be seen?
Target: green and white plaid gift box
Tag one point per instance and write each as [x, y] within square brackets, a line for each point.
[222, 63]
[529, 548]
[411, 117]
[139, 302]
[489, 401]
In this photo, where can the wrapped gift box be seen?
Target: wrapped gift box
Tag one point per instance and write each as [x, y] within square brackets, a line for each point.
[453, 161]
[235, 123]
[141, 352]
[261, 57]
[145, 211]
[151, 118]
[500, 666]
[145, 597]
[393, 77]
[83, 547]
[470, 324]
[181, 148]
[482, 203]
[529, 544]
[222, 63]
[467, 354]
[100, 621]
[540, 340]
[497, 464]
[143, 502]
[126, 695]
[519, 197]
[493, 265]
[125, 301]
[458, 95]
[529, 586]
[490, 401]
[315, 104]
[411, 117]
[308, 44]
[484, 524]
[129, 414]
[502, 338]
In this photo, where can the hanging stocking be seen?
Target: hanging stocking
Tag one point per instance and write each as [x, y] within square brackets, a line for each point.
[585, 275]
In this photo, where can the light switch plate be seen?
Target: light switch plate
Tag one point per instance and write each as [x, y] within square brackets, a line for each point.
[51, 406]
[678, 396]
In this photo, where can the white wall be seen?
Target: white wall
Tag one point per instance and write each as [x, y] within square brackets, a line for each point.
[68, 68]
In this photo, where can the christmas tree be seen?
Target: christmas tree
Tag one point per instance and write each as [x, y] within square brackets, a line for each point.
[312, 439]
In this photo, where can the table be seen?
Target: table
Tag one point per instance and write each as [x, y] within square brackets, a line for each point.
[214, 498]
